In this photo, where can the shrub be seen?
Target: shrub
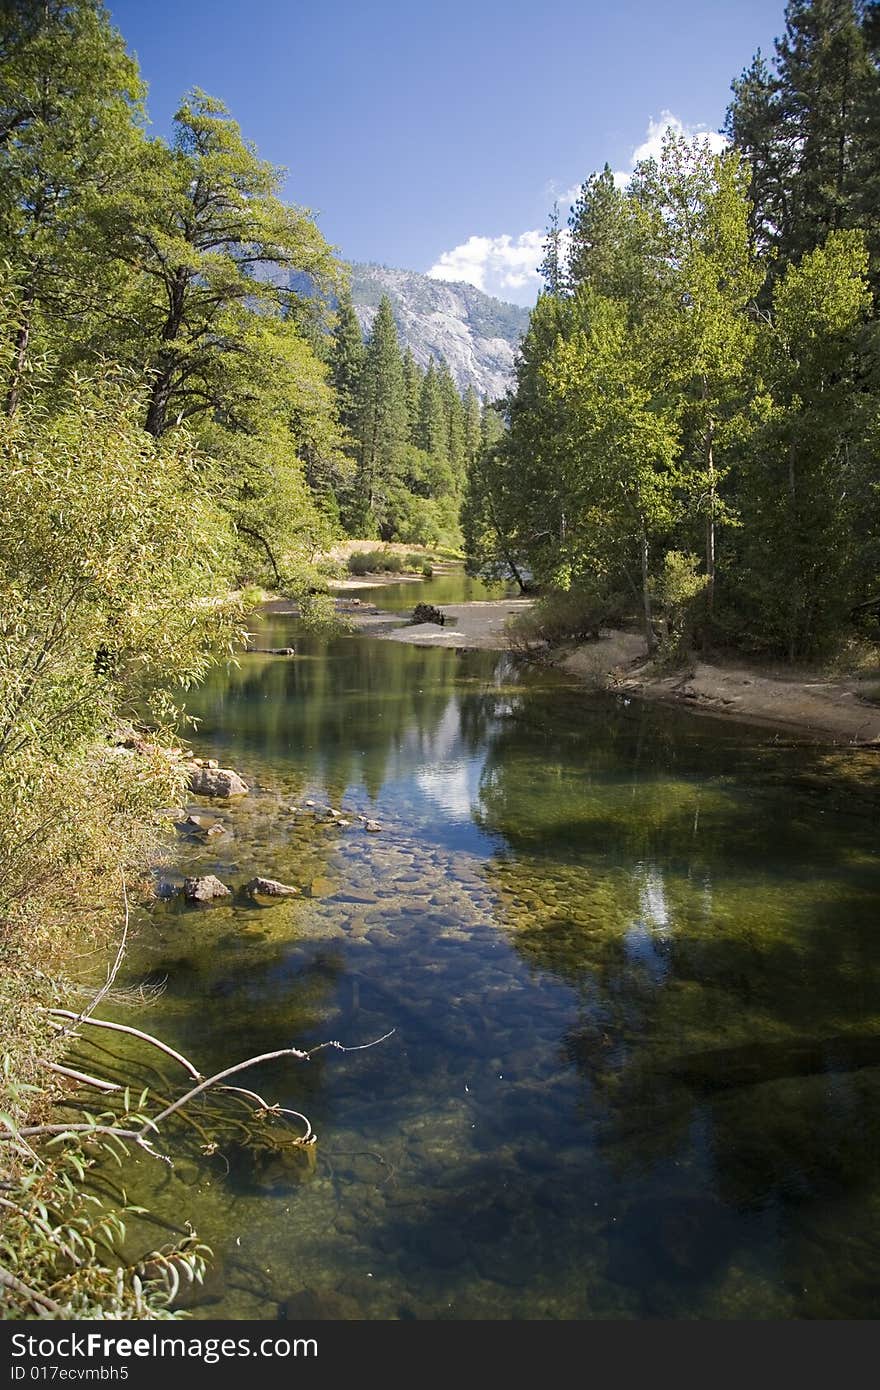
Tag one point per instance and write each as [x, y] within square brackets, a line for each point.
[680, 591]
[575, 615]
[375, 562]
[114, 575]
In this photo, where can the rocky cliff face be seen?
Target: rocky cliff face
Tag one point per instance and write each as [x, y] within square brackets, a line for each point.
[476, 334]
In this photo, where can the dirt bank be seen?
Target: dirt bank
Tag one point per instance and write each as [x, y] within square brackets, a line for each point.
[824, 708]
[480, 624]
[809, 702]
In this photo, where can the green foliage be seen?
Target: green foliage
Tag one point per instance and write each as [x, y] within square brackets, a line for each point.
[576, 615]
[60, 1246]
[375, 562]
[667, 404]
[114, 584]
[681, 591]
[808, 124]
[69, 133]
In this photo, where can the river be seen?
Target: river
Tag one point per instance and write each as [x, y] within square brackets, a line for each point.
[629, 959]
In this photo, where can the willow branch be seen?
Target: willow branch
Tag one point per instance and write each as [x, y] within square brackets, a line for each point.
[39, 1301]
[82, 1076]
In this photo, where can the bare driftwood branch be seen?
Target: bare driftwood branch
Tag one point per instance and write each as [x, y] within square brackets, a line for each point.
[252, 1062]
[138, 1136]
[82, 1076]
[113, 970]
[134, 1032]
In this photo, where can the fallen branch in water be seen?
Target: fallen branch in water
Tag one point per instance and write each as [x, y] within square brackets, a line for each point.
[266, 1057]
[138, 1136]
[81, 1076]
[133, 1032]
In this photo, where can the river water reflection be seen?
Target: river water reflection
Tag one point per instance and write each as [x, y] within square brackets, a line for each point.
[630, 960]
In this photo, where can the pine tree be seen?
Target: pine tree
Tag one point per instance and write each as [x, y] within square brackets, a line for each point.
[433, 422]
[805, 125]
[347, 357]
[472, 426]
[610, 238]
[412, 385]
[454, 425]
[552, 269]
[382, 426]
[70, 107]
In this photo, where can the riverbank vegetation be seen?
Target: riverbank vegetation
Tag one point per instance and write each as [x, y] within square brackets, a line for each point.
[168, 430]
[692, 438]
[694, 426]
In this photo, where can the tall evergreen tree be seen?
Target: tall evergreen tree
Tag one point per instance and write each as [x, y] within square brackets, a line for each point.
[454, 424]
[433, 421]
[382, 427]
[552, 267]
[347, 357]
[412, 385]
[806, 126]
[472, 426]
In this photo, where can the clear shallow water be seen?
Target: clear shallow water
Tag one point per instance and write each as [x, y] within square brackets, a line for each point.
[630, 958]
[454, 586]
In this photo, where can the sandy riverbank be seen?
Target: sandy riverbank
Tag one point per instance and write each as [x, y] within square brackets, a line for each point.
[805, 702]
[811, 703]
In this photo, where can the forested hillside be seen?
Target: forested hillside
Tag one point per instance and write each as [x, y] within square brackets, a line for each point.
[475, 334]
[412, 436]
[694, 429]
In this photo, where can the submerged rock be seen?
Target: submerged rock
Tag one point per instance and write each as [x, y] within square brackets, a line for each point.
[205, 889]
[320, 1305]
[215, 781]
[373, 827]
[270, 888]
[204, 825]
[321, 887]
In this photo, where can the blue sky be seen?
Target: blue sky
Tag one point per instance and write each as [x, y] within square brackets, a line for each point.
[435, 136]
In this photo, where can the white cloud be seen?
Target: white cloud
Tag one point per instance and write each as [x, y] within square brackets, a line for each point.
[507, 266]
[500, 265]
[652, 145]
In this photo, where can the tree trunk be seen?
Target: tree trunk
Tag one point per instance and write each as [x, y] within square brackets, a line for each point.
[792, 590]
[503, 547]
[710, 536]
[160, 395]
[158, 405]
[650, 640]
[248, 531]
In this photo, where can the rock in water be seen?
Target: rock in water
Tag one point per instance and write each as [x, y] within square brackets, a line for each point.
[203, 890]
[215, 781]
[321, 887]
[373, 826]
[270, 888]
[427, 613]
